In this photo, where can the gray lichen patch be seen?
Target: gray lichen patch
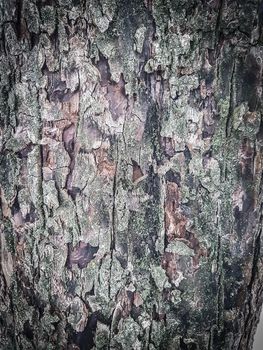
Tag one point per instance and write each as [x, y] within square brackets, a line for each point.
[159, 277]
[179, 248]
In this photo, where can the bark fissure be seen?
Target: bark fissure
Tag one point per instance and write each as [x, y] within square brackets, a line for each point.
[231, 102]
[113, 225]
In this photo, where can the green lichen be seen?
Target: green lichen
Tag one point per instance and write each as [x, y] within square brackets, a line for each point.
[180, 248]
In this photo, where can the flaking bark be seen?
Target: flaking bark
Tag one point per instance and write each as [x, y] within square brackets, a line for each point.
[131, 174]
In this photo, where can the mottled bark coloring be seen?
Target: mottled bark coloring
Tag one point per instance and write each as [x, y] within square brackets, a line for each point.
[131, 161]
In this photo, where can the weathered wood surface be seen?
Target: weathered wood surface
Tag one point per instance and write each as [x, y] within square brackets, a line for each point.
[131, 172]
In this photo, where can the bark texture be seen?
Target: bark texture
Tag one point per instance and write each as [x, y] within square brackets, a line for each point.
[131, 171]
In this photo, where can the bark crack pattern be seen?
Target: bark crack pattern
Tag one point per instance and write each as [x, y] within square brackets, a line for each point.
[131, 154]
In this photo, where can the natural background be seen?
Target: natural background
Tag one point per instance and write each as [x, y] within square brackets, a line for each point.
[258, 341]
[131, 143]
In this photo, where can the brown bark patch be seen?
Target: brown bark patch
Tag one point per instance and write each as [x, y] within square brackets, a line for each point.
[175, 221]
[68, 137]
[116, 96]
[70, 107]
[137, 299]
[168, 146]
[246, 154]
[137, 172]
[168, 263]
[106, 167]
[125, 300]
[81, 254]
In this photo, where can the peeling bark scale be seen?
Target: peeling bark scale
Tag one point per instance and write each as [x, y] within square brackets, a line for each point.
[131, 165]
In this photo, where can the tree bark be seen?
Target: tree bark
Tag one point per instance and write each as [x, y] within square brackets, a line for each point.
[131, 174]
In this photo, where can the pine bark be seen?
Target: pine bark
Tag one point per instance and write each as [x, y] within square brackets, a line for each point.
[130, 174]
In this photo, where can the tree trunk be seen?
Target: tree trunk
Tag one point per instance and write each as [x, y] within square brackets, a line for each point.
[131, 174]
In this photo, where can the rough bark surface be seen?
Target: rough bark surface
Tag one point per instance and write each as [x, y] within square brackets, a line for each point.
[131, 171]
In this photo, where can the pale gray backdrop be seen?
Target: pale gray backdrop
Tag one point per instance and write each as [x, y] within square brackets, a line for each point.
[258, 342]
